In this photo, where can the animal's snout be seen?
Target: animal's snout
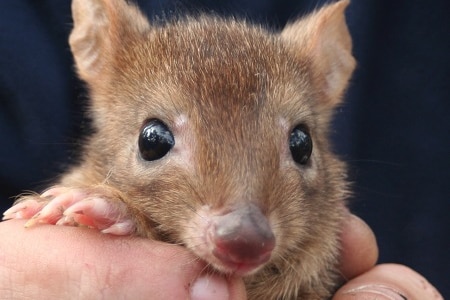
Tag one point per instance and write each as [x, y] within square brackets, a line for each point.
[243, 239]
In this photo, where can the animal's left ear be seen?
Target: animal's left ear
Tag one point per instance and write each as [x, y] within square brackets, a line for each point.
[323, 38]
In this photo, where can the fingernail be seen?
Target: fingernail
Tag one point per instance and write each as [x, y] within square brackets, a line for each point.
[208, 287]
[377, 292]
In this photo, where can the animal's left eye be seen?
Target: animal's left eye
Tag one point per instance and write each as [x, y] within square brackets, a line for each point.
[155, 140]
[300, 144]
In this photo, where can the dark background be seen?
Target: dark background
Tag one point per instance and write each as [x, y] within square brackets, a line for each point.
[394, 128]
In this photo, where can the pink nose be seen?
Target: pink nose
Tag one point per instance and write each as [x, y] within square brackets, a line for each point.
[243, 239]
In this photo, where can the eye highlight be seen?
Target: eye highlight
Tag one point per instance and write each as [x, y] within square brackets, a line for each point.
[155, 140]
[300, 144]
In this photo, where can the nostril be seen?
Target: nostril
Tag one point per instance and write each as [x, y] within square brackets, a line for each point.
[243, 236]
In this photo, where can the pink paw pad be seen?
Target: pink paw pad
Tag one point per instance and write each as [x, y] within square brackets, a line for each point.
[74, 207]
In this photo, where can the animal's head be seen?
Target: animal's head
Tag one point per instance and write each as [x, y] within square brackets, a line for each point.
[217, 129]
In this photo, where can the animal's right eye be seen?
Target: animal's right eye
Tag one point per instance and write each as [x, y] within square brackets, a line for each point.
[155, 140]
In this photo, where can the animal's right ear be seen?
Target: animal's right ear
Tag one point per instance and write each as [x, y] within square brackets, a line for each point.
[100, 27]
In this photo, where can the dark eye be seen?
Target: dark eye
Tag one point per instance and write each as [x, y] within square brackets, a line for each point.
[155, 140]
[300, 144]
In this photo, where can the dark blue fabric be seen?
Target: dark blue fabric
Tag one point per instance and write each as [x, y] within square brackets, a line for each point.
[394, 129]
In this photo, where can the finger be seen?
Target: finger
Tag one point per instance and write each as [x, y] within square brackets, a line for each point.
[388, 281]
[215, 287]
[66, 261]
[359, 247]
[237, 289]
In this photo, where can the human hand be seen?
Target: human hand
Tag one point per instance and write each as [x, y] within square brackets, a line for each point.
[58, 262]
[367, 281]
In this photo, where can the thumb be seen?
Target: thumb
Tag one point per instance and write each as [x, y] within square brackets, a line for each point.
[208, 287]
[389, 282]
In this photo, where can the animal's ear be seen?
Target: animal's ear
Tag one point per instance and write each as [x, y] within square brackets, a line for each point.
[323, 38]
[100, 27]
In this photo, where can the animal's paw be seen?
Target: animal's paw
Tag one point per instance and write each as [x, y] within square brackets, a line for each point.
[97, 207]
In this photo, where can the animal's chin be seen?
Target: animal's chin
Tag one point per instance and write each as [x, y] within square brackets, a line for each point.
[241, 268]
[228, 263]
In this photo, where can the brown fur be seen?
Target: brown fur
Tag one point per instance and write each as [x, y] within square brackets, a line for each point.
[240, 89]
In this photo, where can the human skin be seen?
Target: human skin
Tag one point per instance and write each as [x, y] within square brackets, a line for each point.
[369, 281]
[58, 262]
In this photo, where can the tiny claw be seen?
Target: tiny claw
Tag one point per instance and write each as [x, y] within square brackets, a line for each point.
[54, 192]
[67, 221]
[124, 228]
[10, 211]
[23, 210]
[11, 214]
[33, 221]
